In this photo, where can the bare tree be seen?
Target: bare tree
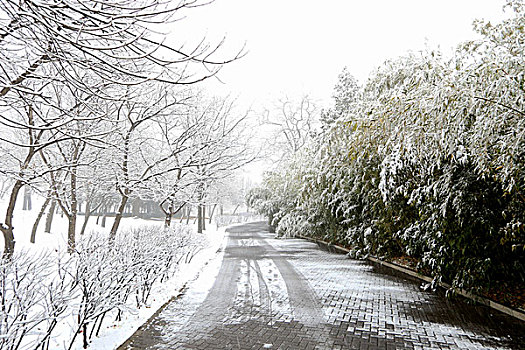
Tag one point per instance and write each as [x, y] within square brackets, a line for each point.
[35, 125]
[65, 191]
[96, 184]
[143, 154]
[90, 49]
[214, 145]
[115, 39]
[292, 124]
[20, 172]
[40, 215]
[226, 138]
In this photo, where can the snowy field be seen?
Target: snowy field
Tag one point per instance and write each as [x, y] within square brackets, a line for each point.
[112, 333]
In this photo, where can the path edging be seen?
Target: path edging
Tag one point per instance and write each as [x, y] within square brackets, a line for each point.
[487, 302]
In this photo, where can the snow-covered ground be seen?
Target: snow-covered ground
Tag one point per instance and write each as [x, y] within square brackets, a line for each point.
[112, 333]
[23, 221]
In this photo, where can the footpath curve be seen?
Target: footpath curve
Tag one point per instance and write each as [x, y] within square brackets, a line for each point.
[289, 294]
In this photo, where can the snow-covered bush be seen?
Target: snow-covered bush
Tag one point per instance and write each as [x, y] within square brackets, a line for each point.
[81, 289]
[35, 292]
[120, 276]
[427, 160]
[103, 276]
[292, 224]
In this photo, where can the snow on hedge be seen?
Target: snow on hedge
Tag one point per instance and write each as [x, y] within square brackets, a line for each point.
[65, 299]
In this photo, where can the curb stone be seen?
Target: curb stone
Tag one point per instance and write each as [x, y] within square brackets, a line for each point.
[487, 302]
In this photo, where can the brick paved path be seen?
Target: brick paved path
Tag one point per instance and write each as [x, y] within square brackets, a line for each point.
[289, 294]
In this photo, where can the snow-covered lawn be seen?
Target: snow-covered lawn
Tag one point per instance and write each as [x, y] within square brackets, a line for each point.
[112, 333]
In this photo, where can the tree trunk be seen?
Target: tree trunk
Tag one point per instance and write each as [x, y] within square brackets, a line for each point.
[87, 215]
[188, 215]
[235, 210]
[168, 213]
[183, 213]
[104, 217]
[271, 228]
[27, 199]
[167, 220]
[212, 211]
[118, 217]
[199, 218]
[7, 227]
[71, 232]
[40, 214]
[72, 217]
[203, 217]
[50, 215]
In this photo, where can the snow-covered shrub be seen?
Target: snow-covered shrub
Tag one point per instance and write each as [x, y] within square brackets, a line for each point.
[35, 292]
[82, 289]
[427, 161]
[118, 277]
[292, 224]
[103, 274]
[156, 253]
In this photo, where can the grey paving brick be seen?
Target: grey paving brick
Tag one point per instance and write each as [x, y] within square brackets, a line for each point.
[289, 294]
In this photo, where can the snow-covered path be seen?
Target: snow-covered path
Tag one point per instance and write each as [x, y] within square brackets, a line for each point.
[288, 294]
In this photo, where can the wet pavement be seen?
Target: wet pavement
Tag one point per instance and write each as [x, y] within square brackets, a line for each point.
[289, 294]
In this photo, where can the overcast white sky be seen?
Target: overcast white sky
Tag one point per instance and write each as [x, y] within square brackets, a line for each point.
[300, 46]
